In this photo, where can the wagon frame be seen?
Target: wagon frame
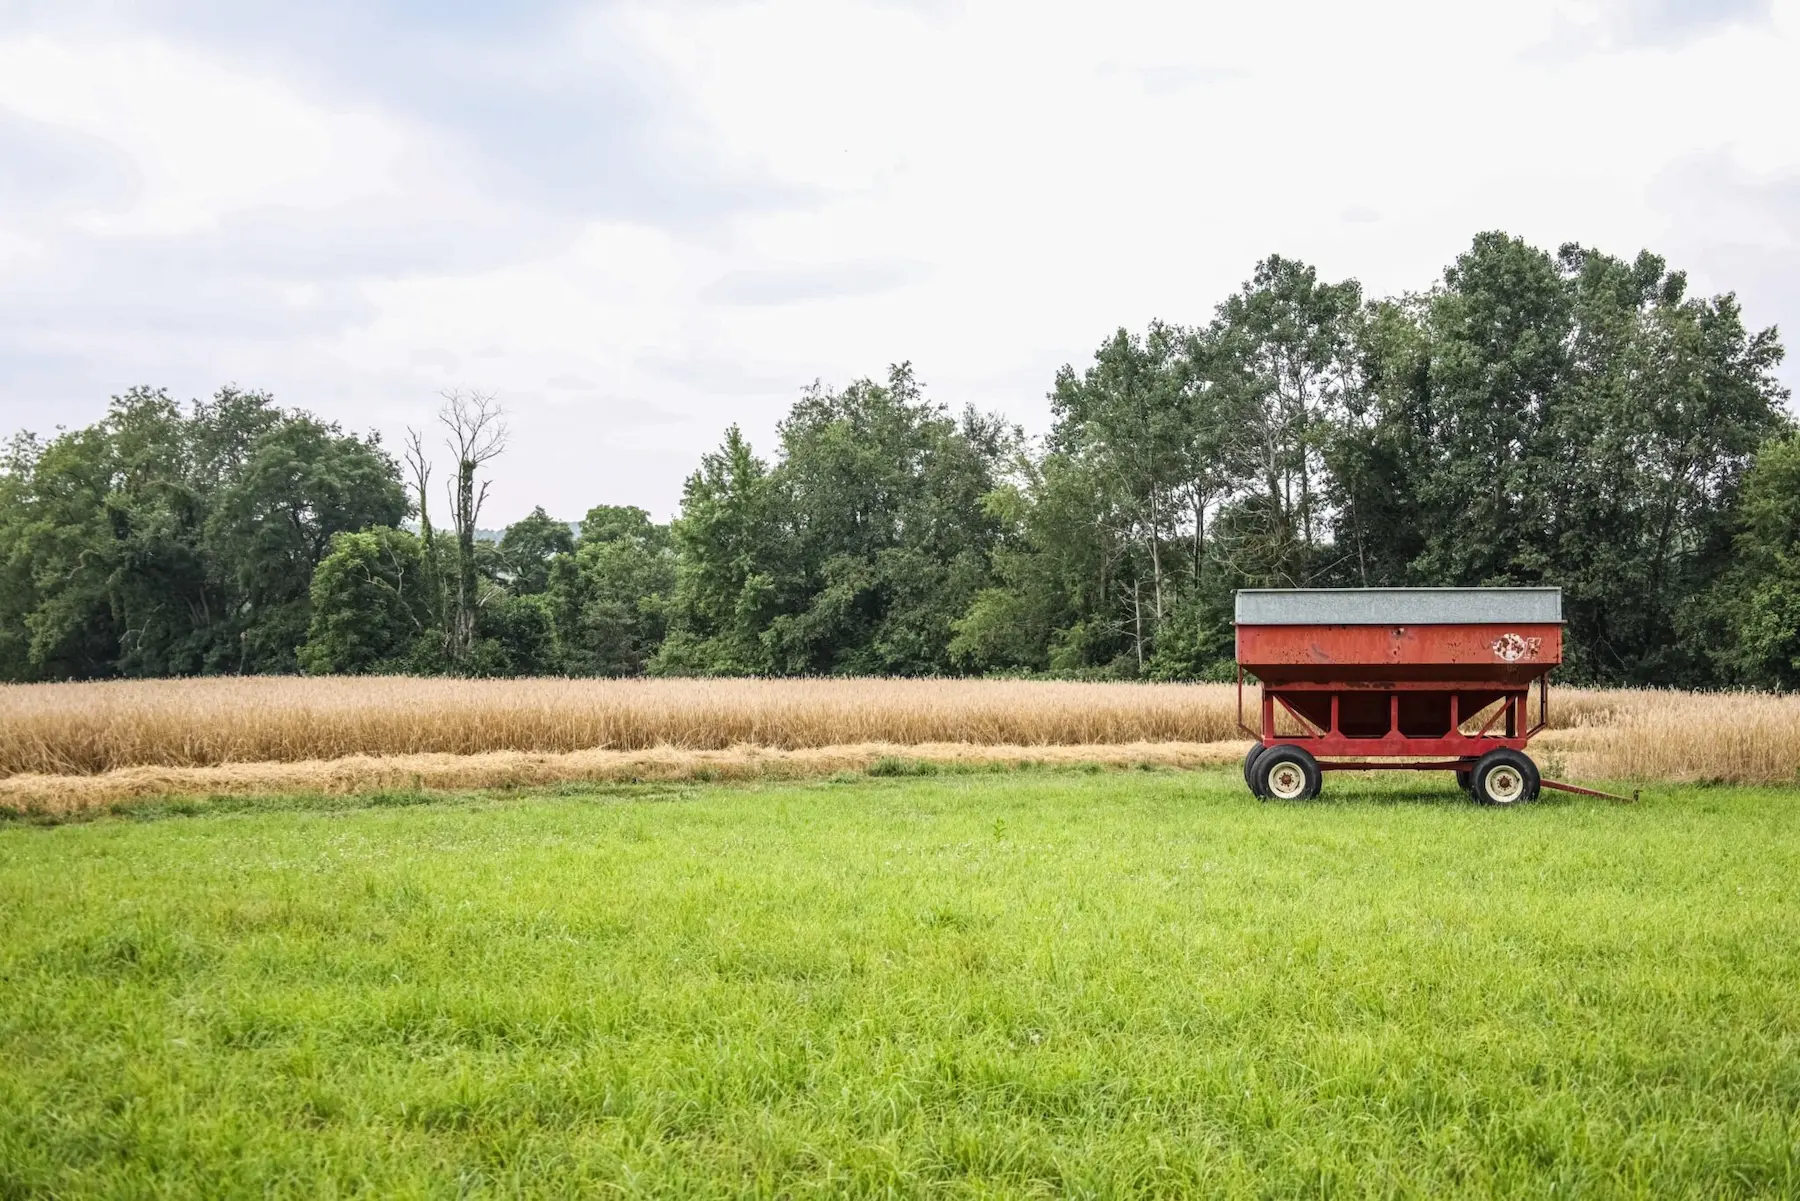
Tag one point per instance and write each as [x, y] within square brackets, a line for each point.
[1393, 678]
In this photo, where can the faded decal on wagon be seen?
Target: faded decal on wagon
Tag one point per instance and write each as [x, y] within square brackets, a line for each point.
[1511, 648]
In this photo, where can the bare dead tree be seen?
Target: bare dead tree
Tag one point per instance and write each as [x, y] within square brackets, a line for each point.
[418, 466]
[476, 434]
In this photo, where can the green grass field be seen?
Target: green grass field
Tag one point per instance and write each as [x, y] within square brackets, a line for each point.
[1025, 983]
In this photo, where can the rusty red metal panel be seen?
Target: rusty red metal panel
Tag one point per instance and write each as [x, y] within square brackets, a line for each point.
[1358, 653]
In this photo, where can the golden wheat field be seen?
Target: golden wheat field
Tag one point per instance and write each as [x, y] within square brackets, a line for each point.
[66, 746]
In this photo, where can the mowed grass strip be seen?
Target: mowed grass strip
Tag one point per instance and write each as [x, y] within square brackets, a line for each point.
[1037, 983]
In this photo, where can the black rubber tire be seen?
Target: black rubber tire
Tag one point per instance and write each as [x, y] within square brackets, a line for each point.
[1250, 759]
[1277, 757]
[1517, 783]
[1465, 780]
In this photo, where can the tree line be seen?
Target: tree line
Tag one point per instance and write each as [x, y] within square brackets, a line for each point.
[1565, 418]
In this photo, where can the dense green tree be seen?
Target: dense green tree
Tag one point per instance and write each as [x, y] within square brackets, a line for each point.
[1052, 603]
[167, 607]
[728, 541]
[1669, 398]
[853, 555]
[1569, 418]
[1576, 420]
[1182, 464]
[59, 530]
[164, 541]
[610, 596]
[369, 613]
[527, 549]
[1123, 416]
[1281, 351]
[1381, 437]
[1752, 619]
[302, 483]
[514, 636]
[1501, 327]
[882, 497]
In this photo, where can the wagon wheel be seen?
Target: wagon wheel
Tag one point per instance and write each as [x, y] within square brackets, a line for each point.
[1505, 777]
[1250, 780]
[1287, 773]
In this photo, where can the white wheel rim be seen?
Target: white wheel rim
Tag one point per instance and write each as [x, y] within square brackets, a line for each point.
[1286, 781]
[1505, 784]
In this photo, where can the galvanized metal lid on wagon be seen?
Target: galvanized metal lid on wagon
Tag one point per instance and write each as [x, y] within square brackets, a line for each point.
[1398, 606]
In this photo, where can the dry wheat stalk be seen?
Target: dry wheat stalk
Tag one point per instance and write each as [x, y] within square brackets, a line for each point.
[62, 730]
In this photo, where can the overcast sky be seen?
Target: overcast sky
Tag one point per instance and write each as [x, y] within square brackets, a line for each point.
[638, 223]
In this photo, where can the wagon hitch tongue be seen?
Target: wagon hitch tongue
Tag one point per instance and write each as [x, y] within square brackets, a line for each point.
[1611, 796]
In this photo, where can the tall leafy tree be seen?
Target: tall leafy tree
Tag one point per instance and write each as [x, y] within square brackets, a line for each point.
[1203, 455]
[882, 495]
[60, 528]
[1381, 439]
[611, 594]
[853, 555]
[1124, 414]
[1501, 328]
[1668, 398]
[1572, 419]
[729, 539]
[1053, 602]
[369, 613]
[302, 483]
[166, 540]
[529, 546]
[1283, 347]
[1752, 621]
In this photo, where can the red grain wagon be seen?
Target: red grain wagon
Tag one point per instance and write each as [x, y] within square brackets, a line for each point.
[1414, 679]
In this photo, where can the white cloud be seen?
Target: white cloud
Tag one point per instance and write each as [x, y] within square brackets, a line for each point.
[206, 141]
[643, 222]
